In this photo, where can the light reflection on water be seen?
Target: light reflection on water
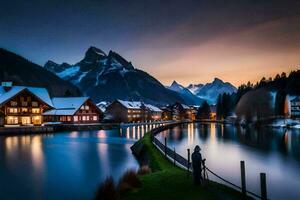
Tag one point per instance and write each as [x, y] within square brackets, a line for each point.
[67, 165]
[274, 151]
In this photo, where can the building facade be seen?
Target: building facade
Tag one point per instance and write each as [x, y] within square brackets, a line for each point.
[295, 108]
[23, 106]
[73, 110]
[132, 111]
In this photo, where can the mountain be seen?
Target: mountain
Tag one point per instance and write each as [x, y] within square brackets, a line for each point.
[211, 91]
[194, 88]
[23, 72]
[186, 94]
[105, 77]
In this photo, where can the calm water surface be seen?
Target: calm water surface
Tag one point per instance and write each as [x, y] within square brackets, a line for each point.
[273, 151]
[68, 165]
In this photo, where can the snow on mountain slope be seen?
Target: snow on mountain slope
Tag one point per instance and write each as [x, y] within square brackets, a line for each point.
[211, 91]
[105, 77]
[185, 93]
[194, 88]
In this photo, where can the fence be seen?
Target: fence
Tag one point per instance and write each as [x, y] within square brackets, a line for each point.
[186, 164]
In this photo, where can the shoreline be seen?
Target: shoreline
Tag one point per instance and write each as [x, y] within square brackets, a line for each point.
[162, 184]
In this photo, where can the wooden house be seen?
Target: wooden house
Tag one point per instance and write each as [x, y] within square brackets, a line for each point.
[20, 105]
[73, 110]
[295, 108]
[132, 111]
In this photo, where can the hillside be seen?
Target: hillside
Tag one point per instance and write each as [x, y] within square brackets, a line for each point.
[23, 72]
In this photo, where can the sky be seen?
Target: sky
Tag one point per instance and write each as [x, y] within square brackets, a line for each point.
[190, 41]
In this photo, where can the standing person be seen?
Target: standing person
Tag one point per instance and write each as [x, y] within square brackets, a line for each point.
[196, 163]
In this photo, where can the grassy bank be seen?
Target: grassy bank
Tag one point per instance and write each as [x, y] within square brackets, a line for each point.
[169, 182]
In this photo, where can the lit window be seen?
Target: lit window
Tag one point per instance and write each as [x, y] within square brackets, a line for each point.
[12, 120]
[24, 110]
[87, 107]
[75, 118]
[95, 118]
[83, 118]
[69, 118]
[12, 110]
[35, 110]
[82, 107]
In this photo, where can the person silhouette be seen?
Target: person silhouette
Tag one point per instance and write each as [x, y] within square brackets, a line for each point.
[196, 163]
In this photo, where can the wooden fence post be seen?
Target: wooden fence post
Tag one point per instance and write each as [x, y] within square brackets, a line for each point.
[243, 179]
[188, 167]
[174, 157]
[263, 186]
[165, 146]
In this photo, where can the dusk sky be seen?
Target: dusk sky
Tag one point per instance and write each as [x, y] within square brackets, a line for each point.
[191, 41]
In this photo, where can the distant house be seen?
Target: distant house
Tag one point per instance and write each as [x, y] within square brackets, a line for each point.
[295, 107]
[292, 106]
[213, 112]
[181, 111]
[125, 111]
[151, 112]
[73, 110]
[132, 111]
[103, 105]
[21, 105]
[167, 113]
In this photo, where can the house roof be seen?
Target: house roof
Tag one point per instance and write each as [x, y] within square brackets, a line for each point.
[66, 105]
[40, 93]
[296, 99]
[130, 104]
[152, 108]
[103, 105]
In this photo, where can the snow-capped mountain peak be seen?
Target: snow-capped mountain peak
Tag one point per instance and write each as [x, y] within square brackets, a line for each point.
[211, 91]
[175, 86]
[110, 76]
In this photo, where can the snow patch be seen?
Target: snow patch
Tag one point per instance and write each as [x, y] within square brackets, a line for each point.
[70, 72]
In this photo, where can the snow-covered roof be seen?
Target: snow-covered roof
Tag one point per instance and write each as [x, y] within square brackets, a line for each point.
[40, 93]
[152, 108]
[295, 99]
[68, 102]
[138, 105]
[103, 105]
[185, 106]
[66, 105]
[130, 104]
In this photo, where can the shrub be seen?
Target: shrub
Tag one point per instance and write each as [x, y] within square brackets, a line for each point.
[129, 181]
[107, 190]
[145, 169]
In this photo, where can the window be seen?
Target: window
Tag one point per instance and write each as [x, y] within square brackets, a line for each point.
[24, 103]
[82, 107]
[69, 118]
[35, 110]
[83, 118]
[75, 118]
[95, 118]
[24, 110]
[12, 110]
[13, 103]
[87, 107]
[34, 104]
[62, 118]
[12, 120]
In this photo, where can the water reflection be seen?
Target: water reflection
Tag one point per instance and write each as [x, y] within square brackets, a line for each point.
[67, 165]
[274, 151]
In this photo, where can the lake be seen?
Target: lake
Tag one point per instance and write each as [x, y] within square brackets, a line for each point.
[66, 165]
[273, 151]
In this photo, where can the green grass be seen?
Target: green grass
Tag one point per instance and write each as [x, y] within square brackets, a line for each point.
[170, 182]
